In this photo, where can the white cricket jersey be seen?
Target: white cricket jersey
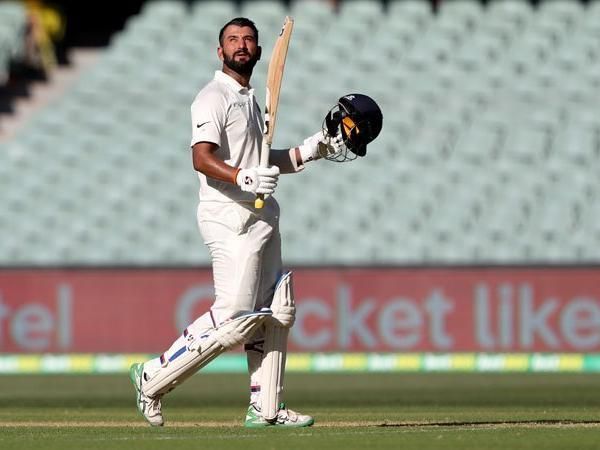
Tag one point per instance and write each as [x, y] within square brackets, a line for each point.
[227, 114]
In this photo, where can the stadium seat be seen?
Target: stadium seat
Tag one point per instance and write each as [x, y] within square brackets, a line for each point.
[517, 11]
[312, 9]
[365, 14]
[414, 11]
[270, 10]
[564, 10]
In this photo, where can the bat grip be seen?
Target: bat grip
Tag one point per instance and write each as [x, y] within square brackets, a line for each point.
[259, 202]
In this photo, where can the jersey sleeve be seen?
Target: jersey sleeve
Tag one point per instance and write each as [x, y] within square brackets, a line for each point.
[208, 118]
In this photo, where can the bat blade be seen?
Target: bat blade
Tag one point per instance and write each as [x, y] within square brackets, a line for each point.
[275, 75]
[274, 79]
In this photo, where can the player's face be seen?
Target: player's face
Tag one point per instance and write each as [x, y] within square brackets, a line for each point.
[239, 50]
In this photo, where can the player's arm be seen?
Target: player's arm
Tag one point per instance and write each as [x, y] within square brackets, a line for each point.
[206, 162]
[293, 160]
[288, 160]
[257, 180]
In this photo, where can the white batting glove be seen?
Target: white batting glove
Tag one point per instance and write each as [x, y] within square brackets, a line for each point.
[319, 146]
[258, 180]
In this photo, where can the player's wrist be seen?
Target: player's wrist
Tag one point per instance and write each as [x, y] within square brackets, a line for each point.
[308, 152]
[296, 159]
[236, 172]
[309, 149]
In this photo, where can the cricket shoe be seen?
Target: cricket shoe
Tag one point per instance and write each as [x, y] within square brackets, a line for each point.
[149, 407]
[285, 418]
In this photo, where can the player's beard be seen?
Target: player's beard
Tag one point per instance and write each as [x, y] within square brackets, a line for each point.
[241, 67]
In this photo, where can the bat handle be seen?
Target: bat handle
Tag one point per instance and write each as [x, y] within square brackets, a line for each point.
[259, 202]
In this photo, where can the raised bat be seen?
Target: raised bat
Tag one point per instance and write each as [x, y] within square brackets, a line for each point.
[274, 78]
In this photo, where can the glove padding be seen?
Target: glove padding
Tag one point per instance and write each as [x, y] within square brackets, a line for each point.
[258, 180]
[320, 146]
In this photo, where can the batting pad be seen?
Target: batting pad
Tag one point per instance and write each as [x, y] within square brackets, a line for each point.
[201, 350]
[273, 369]
[277, 330]
[283, 306]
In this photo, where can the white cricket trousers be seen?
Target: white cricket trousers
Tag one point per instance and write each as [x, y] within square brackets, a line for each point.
[245, 247]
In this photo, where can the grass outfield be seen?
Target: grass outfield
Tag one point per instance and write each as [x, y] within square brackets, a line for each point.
[370, 411]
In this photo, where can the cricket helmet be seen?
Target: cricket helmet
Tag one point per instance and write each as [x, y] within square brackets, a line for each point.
[357, 120]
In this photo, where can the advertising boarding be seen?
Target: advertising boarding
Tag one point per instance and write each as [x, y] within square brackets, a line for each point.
[338, 310]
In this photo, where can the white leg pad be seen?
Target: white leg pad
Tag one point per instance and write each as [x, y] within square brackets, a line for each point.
[273, 369]
[283, 306]
[275, 347]
[201, 350]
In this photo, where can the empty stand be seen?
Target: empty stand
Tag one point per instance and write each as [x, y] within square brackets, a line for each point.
[13, 22]
[489, 152]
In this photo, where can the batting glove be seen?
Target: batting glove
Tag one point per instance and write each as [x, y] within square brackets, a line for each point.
[258, 180]
[320, 146]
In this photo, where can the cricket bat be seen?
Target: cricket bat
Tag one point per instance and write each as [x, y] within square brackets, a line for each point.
[274, 78]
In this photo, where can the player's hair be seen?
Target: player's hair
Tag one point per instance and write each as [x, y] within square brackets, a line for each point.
[240, 22]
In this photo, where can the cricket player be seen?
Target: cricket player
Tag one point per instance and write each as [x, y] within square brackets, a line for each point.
[253, 297]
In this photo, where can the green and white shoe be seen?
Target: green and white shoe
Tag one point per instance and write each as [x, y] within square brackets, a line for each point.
[285, 418]
[149, 407]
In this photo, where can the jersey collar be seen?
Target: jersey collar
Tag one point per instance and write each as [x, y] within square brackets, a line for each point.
[224, 78]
